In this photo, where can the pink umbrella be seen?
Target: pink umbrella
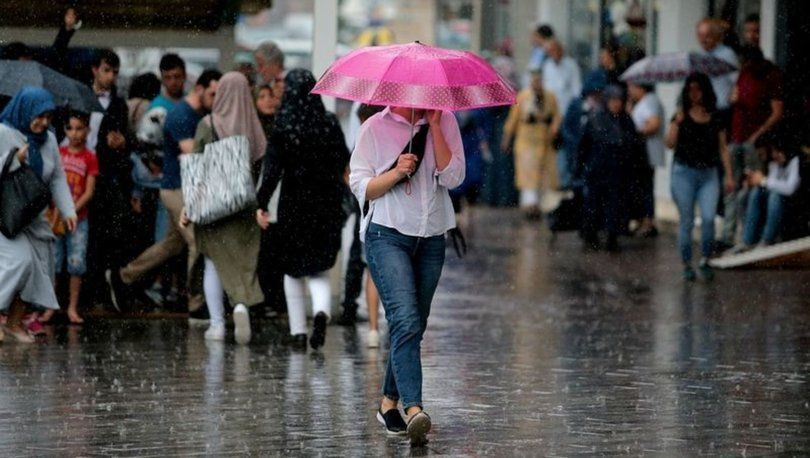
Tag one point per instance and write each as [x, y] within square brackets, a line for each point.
[415, 75]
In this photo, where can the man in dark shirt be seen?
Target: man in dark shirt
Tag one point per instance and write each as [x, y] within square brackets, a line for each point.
[757, 107]
[179, 129]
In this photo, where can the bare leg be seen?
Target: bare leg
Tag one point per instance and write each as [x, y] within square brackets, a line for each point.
[73, 306]
[387, 404]
[373, 302]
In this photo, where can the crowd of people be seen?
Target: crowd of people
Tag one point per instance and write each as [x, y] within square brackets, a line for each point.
[600, 140]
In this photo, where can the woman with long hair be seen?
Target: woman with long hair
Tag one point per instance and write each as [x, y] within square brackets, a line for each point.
[409, 211]
[308, 155]
[697, 136]
[27, 261]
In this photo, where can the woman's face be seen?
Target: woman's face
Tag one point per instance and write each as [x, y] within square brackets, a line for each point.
[537, 82]
[40, 123]
[615, 105]
[266, 102]
[695, 93]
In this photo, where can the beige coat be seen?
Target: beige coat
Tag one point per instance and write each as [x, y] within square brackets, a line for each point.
[232, 244]
[535, 157]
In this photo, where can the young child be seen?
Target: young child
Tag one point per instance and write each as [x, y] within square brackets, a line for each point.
[769, 194]
[81, 170]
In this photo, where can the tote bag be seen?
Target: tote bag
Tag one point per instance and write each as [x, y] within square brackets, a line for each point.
[23, 196]
[218, 183]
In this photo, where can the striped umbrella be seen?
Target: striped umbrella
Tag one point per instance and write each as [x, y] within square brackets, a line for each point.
[674, 67]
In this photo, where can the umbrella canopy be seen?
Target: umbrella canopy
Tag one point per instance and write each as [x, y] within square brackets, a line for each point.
[417, 76]
[674, 67]
[16, 74]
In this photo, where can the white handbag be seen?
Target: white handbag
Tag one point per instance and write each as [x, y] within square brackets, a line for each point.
[217, 183]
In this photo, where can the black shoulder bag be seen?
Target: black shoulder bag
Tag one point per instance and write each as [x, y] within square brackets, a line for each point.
[23, 196]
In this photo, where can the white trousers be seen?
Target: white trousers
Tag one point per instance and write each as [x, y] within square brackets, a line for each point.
[294, 289]
[214, 294]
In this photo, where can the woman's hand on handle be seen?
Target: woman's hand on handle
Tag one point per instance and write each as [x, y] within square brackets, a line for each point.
[22, 153]
[184, 221]
[406, 165]
[263, 219]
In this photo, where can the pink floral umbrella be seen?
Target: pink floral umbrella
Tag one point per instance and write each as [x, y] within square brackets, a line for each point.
[415, 75]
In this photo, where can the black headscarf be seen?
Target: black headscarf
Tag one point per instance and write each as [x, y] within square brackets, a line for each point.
[301, 119]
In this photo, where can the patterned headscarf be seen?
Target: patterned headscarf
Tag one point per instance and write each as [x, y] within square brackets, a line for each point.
[29, 103]
[234, 113]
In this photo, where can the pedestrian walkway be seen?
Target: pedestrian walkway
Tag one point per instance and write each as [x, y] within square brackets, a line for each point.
[534, 348]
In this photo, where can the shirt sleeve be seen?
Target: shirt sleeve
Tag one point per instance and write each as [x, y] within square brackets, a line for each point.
[362, 163]
[788, 183]
[453, 175]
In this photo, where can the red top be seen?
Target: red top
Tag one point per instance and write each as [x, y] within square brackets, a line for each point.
[754, 96]
[78, 166]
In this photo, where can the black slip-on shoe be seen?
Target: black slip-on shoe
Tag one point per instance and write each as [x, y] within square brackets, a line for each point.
[393, 422]
[418, 427]
[318, 331]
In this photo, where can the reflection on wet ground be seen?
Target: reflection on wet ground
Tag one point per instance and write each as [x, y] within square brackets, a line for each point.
[534, 348]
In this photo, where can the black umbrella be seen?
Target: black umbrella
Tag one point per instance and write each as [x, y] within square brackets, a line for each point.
[16, 74]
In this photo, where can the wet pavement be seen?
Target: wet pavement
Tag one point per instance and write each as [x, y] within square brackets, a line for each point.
[533, 348]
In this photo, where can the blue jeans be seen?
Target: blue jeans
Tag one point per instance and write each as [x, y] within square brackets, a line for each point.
[690, 186]
[74, 247]
[406, 271]
[753, 216]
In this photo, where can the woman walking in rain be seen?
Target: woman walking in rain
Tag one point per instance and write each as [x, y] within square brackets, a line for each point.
[533, 123]
[404, 228]
[27, 260]
[697, 135]
[231, 245]
[308, 155]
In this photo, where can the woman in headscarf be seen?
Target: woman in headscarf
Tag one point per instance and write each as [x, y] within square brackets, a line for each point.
[533, 123]
[27, 261]
[231, 246]
[306, 147]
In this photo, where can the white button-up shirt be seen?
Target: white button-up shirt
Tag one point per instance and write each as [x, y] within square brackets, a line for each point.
[424, 208]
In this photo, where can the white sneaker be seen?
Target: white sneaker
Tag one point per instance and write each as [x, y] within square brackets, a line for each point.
[215, 332]
[241, 324]
[374, 339]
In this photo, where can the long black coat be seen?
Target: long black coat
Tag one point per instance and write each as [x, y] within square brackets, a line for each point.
[307, 154]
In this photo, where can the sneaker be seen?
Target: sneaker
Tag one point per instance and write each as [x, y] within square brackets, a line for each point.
[318, 331]
[241, 324]
[393, 422]
[418, 427]
[215, 332]
[374, 339]
[118, 290]
[689, 273]
[155, 296]
[299, 342]
[199, 317]
[706, 270]
[737, 249]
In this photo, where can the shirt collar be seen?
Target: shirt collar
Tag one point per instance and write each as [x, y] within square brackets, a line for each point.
[387, 112]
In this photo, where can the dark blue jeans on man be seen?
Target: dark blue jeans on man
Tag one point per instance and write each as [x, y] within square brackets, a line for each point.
[406, 271]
